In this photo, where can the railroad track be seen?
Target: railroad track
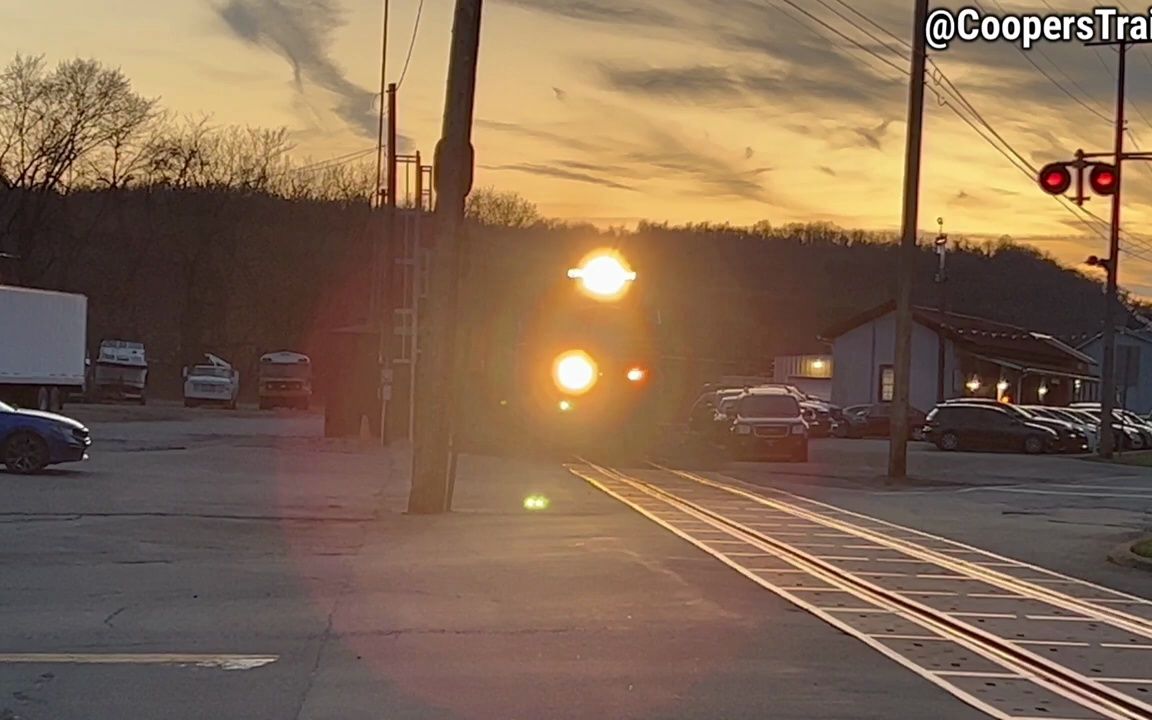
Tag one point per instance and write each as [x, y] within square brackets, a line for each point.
[1016, 641]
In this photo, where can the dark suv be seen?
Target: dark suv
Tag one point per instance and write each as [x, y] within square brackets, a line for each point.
[987, 428]
[768, 423]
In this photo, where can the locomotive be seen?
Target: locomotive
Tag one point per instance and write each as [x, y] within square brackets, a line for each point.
[588, 372]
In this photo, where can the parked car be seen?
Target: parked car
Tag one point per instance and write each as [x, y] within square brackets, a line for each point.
[1124, 438]
[818, 418]
[768, 424]
[703, 413]
[1137, 435]
[987, 427]
[865, 421]
[1072, 437]
[1091, 430]
[31, 440]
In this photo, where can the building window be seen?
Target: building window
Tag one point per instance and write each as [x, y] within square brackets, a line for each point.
[887, 383]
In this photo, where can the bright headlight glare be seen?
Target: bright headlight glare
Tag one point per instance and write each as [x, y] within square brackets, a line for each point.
[575, 372]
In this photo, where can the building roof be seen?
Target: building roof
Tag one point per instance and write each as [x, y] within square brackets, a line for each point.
[981, 335]
[1143, 335]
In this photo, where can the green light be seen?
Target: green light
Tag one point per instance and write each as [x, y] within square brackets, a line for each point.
[536, 502]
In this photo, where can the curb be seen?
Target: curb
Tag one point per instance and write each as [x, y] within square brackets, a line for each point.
[1124, 557]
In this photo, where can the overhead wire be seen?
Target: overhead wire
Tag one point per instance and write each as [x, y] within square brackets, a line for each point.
[952, 92]
[411, 43]
[332, 162]
[1040, 51]
[1076, 99]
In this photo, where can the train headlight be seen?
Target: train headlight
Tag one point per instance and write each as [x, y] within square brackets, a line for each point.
[603, 275]
[575, 372]
[636, 374]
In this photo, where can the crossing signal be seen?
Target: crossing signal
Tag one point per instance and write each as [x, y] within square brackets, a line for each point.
[1103, 179]
[1055, 178]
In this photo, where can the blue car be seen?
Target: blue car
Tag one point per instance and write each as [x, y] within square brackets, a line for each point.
[31, 440]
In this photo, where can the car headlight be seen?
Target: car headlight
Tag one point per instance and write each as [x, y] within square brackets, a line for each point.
[799, 429]
[743, 430]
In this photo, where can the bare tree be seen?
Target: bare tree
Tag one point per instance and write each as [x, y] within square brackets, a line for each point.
[343, 182]
[489, 206]
[52, 122]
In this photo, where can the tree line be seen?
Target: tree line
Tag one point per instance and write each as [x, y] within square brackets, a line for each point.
[195, 237]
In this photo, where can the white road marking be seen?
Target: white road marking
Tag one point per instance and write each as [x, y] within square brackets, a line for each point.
[1022, 491]
[222, 662]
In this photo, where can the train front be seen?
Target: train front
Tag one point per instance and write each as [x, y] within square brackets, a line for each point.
[591, 362]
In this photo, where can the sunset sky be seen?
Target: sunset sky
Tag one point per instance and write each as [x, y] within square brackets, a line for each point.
[679, 110]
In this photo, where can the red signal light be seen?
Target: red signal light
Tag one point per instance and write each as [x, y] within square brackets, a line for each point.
[1055, 179]
[1103, 179]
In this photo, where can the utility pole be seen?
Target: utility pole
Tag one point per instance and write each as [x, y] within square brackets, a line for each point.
[383, 91]
[1104, 178]
[454, 165]
[898, 447]
[1108, 369]
[942, 306]
[378, 304]
[416, 256]
[390, 274]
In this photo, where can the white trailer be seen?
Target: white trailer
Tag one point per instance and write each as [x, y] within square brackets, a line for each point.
[42, 346]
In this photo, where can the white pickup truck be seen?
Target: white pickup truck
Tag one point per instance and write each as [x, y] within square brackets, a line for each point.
[213, 383]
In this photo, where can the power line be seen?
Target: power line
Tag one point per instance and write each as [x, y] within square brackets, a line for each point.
[857, 43]
[876, 25]
[1054, 81]
[951, 91]
[885, 45]
[1054, 64]
[411, 43]
[330, 163]
[1009, 152]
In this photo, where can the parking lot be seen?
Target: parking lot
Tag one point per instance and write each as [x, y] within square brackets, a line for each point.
[214, 563]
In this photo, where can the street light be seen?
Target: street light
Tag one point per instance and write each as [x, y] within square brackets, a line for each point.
[603, 275]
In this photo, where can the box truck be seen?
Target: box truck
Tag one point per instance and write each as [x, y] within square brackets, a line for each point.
[42, 346]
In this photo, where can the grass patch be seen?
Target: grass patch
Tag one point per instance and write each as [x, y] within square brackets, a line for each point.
[1143, 548]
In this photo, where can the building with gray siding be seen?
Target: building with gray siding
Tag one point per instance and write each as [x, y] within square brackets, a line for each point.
[1133, 367]
[954, 356]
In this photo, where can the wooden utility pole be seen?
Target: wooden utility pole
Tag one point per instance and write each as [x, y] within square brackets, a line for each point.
[1108, 369]
[435, 383]
[383, 91]
[390, 273]
[898, 448]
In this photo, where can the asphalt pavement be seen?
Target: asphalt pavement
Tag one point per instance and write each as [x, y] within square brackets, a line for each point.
[237, 565]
